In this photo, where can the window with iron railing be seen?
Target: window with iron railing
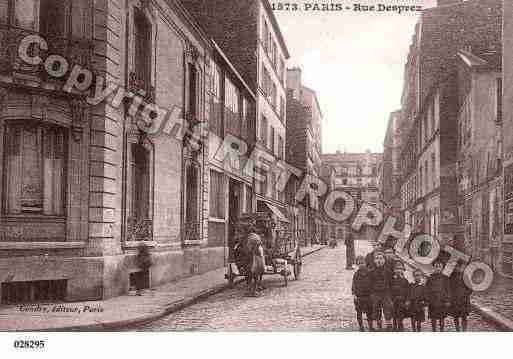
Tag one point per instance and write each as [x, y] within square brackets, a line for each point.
[139, 223]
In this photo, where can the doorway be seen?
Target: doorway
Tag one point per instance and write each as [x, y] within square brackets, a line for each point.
[234, 205]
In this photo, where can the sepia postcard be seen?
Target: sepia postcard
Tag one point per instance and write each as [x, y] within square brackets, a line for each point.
[255, 166]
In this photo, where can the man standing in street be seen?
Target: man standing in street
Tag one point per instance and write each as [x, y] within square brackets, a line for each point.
[350, 253]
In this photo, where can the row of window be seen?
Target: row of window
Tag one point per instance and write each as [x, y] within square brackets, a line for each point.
[218, 183]
[270, 140]
[271, 50]
[235, 108]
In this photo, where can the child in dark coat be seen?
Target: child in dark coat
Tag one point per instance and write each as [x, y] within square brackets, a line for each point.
[399, 290]
[361, 290]
[437, 293]
[380, 291]
[417, 298]
[460, 297]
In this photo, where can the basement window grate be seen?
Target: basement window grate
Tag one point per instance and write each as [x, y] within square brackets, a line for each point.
[34, 291]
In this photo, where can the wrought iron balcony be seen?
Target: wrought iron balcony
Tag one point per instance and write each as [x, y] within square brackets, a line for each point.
[139, 229]
[74, 50]
[192, 232]
[141, 86]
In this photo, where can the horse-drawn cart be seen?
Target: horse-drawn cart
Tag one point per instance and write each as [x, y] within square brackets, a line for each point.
[281, 247]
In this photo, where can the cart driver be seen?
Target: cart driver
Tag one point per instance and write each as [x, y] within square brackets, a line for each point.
[253, 239]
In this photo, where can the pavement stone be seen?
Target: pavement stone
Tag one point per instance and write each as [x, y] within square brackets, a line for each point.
[320, 301]
[118, 312]
[496, 303]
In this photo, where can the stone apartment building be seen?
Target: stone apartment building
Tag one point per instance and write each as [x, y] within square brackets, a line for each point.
[248, 33]
[356, 174]
[231, 113]
[92, 205]
[507, 138]
[430, 108]
[389, 174]
[303, 151]
[480, 154]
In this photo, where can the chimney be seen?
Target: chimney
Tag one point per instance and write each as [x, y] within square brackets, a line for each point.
[294, 82]
[447, 2]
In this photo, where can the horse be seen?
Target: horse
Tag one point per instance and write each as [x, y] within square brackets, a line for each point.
[250, 259]
[256, 269]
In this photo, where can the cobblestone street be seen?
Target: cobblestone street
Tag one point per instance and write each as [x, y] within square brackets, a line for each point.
[321, 300]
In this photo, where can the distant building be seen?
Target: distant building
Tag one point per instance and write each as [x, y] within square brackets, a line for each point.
[357, 174]
[303, 151]
[389, 171]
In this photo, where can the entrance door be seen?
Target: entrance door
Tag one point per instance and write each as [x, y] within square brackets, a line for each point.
[234, 200]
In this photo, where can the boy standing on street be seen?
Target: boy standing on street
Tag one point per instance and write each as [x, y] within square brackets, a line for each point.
[460, 297]
[399, 290]
[417, 298]
[361, 290]
[437, 292]
[380, 292]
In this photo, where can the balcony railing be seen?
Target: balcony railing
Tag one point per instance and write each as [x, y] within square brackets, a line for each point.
[141, 86]
[139, 229]
[192, 232]
[76, 51]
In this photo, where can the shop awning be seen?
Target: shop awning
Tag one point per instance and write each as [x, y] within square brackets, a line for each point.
[277, 212]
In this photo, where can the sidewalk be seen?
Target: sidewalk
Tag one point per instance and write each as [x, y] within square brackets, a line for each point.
[496, 303]
[120, 311]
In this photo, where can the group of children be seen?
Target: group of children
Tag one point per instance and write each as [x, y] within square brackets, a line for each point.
[381, 290]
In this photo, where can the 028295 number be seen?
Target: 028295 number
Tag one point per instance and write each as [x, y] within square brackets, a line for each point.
[29, 344]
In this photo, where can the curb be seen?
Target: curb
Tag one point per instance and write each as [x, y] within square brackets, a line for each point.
[160, 313]
[503, 323]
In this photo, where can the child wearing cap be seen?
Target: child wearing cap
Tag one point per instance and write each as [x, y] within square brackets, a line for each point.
[380, 291]
[417, 299]
[361, 290]
[460, 297]
[399, 290]
[437, 293]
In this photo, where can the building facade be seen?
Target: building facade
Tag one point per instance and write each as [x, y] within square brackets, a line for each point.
[231, 113]
[480, 157]
[248, 33]
[303, 151]
[430, 110]
[93, 202]
[507, 138]
[389, 173]
[356, 174]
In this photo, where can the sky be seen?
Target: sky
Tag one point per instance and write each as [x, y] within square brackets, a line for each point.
[355, 62]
